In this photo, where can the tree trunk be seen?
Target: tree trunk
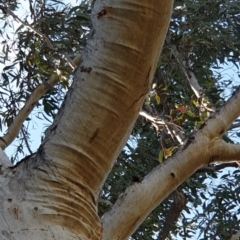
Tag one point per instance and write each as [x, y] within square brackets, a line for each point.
[53, 193]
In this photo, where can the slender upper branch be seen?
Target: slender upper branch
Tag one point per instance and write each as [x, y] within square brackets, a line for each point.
[26, 141]
[6, 10]
[190, 76]
[218, 167]
[234, 125]
[151, 118]
[42, 35]
[172, 128]
[16, 125]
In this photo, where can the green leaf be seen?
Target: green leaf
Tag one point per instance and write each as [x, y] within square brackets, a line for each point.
[158, 100]
[160, 156]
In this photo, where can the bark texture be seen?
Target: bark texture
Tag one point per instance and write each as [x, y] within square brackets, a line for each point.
[204, 147]
[53, 194]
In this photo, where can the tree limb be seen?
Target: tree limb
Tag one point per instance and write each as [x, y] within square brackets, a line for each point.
[173, 215]
[236, 125]
[190, 76]
[235, 236]
[173, 130]
[50, 45]
[151, 118]
[15, 127]
[26, 141]
[223, 151]
[140, 199]
[218, 167]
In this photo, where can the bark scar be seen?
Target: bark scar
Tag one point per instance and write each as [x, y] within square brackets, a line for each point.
[102, 13]
[94, 135]
[85, 69]
[138, 99]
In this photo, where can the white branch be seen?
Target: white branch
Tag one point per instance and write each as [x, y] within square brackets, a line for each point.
[133, 206]
[151, 118]
[16, 125]
[235, 236]
[220, 121]
[4, 161]
[225, 152]
[190, 76]
[234, 125]
[175, 132]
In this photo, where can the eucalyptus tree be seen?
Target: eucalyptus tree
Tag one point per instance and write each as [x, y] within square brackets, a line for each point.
[93, 81]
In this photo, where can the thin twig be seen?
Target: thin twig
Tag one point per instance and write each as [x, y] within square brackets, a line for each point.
[190, 76]
[26, 141]
[173, 129]
[151, 118]
[42, 35]
[236, 125]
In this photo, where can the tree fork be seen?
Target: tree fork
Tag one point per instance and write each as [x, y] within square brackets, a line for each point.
[60, 185]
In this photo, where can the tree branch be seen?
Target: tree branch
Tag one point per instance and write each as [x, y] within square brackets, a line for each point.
[50, 45]
[236, 125]
[219, 122]
[175, 132]
[151, 118]
[172, 129]
[140, 199]
[224, 152]
[173, 215]
[26, 141]
[190, 76]
[15, 127]
[42, 35]
[235, 236]
[219, 167]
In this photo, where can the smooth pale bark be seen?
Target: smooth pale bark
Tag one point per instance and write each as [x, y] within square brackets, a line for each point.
[204, 147]
[235, 236]
[53, 194]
